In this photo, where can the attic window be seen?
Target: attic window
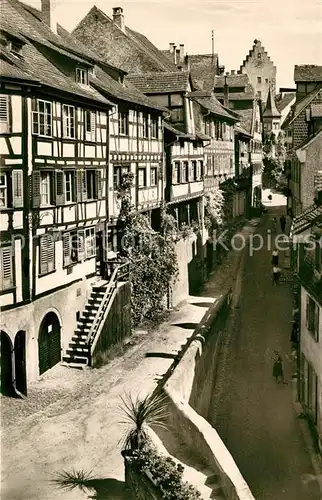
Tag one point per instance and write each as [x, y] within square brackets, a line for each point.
[14, 46]
[82, 76]
[259, 55]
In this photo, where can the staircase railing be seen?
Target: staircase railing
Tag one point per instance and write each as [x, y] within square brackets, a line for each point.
[120, 273]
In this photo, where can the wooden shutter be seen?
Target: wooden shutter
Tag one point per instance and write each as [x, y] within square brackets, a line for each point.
[79, 185]
[66, 249]
[59, 188]
[36, 189]
[17, 192]
[43, 252]
[4, 114]
[50, 252]
[98, 182]
[81, 245]
[84, 186]
[93, 126]
[6, 268]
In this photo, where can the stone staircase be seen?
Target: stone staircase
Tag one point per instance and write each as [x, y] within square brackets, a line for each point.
[77, 354]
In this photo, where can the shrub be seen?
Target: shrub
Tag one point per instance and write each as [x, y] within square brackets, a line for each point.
[166, 473]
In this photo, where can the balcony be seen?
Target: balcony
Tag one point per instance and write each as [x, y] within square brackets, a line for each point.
[186, 190]
[311, 279]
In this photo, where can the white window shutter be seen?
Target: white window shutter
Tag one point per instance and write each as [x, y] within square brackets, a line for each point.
[4, 114]
[66, 249]
[98, 179]
[17, 191]
[6, 268]
[59, 187]
[43, 254]
[93, 125]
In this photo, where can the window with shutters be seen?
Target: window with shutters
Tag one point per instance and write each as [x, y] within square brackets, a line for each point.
[4, 114]
[123, 123]
[312, 317]
[46, 254]
[118, 172]
[42, 119]
[82, 76]
[90, 243]
[91, 184]
[70, 195]
[46, 188]
[90, 126]
[6, 272]
[3, 190]
[69, 122]
[74, 247]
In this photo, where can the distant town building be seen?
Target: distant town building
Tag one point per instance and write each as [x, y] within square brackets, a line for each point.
[271, 116]
[260, 70]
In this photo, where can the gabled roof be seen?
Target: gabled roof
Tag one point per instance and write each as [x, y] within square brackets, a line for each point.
[309, 217]
[235, 81]
[212, 104]
[299, 106]
[127, 49]
[283, 101]
[203, 68]
[157, 83]
[240, 130]
[308, 73]
[257, 47]
[177, 132]
[246, 119]
[270, 109]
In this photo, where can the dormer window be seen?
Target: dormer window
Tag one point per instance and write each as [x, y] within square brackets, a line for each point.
[14, 46]
[82, 76]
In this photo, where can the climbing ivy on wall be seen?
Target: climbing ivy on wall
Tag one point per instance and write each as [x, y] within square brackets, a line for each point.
[152, 255]
[214, 209]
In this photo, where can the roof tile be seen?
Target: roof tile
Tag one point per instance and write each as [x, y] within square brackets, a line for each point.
[308, 73]
[155, 83]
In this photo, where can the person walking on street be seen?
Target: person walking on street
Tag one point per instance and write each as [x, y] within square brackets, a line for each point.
[275, 258]
[276, 275]
[283, 222]
[278, 372]
[274, 224]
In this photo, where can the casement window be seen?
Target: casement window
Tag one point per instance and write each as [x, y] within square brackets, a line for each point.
[11, 189]
[259, 79]
[194, 171]
[42, 118]
[73, 247]
[90, 126]
[118, 173]
[153, 176]
[82, 76]
[46, 179]
[154, 128]
[4, 114]
[46, 253]
[176, 172]
[145, 125]
[185, 172]
[312, 317]
[90, 243]
[123, 123]
[6, 270]
[69, 122]
[70, 184]
[141, 177]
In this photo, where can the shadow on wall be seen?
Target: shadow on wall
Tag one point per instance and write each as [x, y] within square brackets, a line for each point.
[95, 488]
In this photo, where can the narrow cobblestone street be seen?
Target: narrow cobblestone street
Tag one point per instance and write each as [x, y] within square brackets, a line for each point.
[254, 415]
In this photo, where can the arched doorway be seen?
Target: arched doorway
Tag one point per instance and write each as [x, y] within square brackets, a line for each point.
[49, 351]
[20, 362]
[6, 365]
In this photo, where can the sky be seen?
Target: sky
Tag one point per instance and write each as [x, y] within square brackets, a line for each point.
[290, 30]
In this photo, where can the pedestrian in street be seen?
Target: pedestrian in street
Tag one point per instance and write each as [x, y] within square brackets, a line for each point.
[274, 225]
[275, 258]
[276, 275]
[283, 222]
[278, 372]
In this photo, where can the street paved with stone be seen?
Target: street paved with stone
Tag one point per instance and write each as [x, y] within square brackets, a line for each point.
[254, 415]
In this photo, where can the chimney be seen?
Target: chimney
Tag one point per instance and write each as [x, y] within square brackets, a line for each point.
[232, 71]
[171, 47]
[226, 93]
[48, 9]
[118, 18]
[177, 56]
[181, 52]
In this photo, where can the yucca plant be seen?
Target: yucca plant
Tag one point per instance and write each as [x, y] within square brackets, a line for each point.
[140, 412]
[74, 479]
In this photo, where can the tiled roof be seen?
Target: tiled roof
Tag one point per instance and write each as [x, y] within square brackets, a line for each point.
[306, 219]
[156, 83]
[316, 110]
[308, 73]
[283, 101]
[11, 71]
[310, 139]
[203, 68]
[246, 119]
[212, 104]
[177, 132]
[240, 130]
[129, 50]
[303, 103]
[235, 81]
[125, 92]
